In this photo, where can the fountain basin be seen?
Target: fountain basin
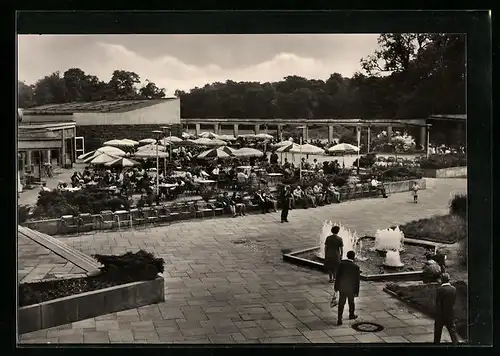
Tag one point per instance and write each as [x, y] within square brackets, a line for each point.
[373, 269]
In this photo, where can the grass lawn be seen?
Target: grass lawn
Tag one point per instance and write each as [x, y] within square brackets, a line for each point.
[423, 298]
[443, 228]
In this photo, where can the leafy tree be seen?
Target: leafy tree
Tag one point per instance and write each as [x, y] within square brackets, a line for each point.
[123, 84]
[151, 91]
[25, 95]
[50, 90]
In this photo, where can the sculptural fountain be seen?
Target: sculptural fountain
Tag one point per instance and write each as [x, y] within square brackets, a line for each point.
[390, 242]
[351, 240]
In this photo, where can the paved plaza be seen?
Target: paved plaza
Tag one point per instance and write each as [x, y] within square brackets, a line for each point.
[225, 281]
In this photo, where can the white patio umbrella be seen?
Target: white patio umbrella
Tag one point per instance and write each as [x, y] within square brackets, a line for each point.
[123, 162]
[227, 137]
[208, 142]
[147, 141]
[287, 148]
[171, 140]
[281, 144]
[246, 136]
[343, 148]
[186, 135]
[106, 149]
[103, 158]
[133, 142]
[307, 149]
[151, 154]
[264, 136]
[227, 149]
[214, 153]
[118, 143]
[152, 147]
[248, 152]
[208, 135]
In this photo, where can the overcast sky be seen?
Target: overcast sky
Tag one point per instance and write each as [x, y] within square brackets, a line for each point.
[185, 61]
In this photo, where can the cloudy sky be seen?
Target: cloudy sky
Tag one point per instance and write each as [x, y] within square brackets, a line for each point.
[185, 61]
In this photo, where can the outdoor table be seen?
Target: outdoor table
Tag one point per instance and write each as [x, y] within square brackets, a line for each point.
[70, 189]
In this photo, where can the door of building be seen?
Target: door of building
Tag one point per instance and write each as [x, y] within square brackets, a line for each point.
[79, 146]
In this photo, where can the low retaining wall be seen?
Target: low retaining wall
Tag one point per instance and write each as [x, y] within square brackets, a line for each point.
[403, 186]
[453, 172]
[89, 305]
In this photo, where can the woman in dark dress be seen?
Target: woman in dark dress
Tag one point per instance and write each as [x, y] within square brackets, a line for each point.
[333, 252]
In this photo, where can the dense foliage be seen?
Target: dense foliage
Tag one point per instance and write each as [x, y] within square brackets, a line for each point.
[56, 203]
[423, 74]
[458, 206]
[366, 161]
[116, 270]
[397, 173]
[439, 161]
[445, 229]
[23, 213]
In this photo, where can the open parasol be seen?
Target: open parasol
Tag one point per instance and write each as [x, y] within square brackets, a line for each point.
[264, 136]
[133, 142]
[208, 135]
[343, 148]
[147, 141]
[150, 154]
[307, 149]
[103, 158]
[208, 142]
[227, 137]
[214, 153]
[248, 152]
[118, 143]
[123, 162]
[152, 147]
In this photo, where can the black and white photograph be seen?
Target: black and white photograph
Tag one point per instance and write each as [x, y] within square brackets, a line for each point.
[242, 188]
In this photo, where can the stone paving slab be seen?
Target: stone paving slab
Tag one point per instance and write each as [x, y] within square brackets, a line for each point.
[217, 291]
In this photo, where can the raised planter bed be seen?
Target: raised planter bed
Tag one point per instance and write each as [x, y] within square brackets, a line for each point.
[443, 229]
[452, 172]
[372, 268]
[422, 297]
[90, 304]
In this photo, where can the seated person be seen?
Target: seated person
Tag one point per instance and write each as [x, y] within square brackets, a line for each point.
[44, 187]
[271, 200]
[298, 196]
[318, 193]
[431, 270]
[333, 194]
[309, 197]
[237, 201]
[262, 201]
[227, 204]
[375, 184]
[241, 177]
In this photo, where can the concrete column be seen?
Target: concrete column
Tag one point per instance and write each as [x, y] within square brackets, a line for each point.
[368, 140]
[330, 133]
[48, 156]
[305, 134]
[256, 129]
[197, 129]
[279, 132]
[389, 131]
[216, 128]
[28, 159]
[423, 137]
[235, 130]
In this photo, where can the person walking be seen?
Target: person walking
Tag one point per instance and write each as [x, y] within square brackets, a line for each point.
[286, 197]
[415, 188]
[446, 296]
[347, 284]
[333, 253]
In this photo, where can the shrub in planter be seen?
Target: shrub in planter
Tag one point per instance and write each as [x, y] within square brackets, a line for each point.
[23, 213]
[458, 206]
[116, 270]
[395, 174]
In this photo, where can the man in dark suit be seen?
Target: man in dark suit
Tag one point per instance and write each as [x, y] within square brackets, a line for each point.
[445, 316]
[347, 284]
[286, 197]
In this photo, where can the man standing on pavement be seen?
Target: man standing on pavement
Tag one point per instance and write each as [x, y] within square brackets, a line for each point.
[445, 316]
[286, 197]
[347, 284]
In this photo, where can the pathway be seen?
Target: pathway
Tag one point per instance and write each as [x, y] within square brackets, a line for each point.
[221, 292]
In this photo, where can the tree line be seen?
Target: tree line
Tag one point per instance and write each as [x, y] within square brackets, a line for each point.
[408, 76]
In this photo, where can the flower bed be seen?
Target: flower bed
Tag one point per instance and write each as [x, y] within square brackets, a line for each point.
[439, 161]
[116, 270]
[444, 229]
[423, 298]
[55, 203]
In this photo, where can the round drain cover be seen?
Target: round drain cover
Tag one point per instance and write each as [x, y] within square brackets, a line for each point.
[367, 327]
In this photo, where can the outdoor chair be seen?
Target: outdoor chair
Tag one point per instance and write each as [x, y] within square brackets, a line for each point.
[150, 215]
[86, 222]
[106, 218]
[162, 214]
[70, 224]
[216, 209]
[174, 211]
[204, 209]
[137, 217]
[122, 218]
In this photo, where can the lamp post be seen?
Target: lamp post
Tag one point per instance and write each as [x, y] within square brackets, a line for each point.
[427, 143]
[157, 135]
[300, 150]
[164, 129]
